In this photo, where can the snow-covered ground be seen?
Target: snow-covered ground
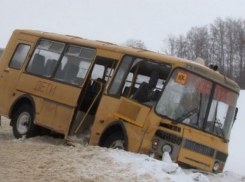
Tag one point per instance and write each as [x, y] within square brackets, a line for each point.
[43, 159]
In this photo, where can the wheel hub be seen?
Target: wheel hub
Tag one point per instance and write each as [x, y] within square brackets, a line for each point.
[23, 122]
[118, 144]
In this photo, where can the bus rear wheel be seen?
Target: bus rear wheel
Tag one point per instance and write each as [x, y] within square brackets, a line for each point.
[22, 122]
[115, 141]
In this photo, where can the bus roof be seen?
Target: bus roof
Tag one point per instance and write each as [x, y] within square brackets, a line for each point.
[159, 57]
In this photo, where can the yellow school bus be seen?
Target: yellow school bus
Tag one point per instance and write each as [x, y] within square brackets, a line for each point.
[117, 97]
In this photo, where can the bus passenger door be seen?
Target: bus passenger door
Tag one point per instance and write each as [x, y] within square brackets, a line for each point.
[91, 96]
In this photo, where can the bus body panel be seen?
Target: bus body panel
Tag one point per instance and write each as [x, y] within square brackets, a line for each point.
[55, 101]
[48, 89]
[207, 140]
[104, 117]
[153, 123]
[9, 76]
[195, 159]
[132, 112]
[134, 121]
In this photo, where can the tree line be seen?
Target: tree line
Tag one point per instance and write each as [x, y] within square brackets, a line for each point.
[221, 43]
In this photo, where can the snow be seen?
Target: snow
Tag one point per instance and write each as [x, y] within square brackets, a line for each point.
[148, 167]
[47, 159]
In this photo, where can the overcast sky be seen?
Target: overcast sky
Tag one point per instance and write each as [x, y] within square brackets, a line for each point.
[118, 20]
[115, 20]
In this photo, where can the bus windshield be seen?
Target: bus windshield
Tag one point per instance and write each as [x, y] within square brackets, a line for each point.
[185, 99]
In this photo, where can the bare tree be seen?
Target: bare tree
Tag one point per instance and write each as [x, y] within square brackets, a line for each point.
[198, 43]
[241, 51]
[135, 43]
[218, 34]
[182, 47]
[170, 45]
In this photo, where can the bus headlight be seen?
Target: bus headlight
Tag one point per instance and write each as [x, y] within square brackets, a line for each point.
[216, 166]
[167, 148]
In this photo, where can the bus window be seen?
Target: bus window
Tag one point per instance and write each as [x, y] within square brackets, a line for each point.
[45, 58]
[147, 91]
[142, 80]
[74, 65]
[19, 56]
[221, 112]
[121, 75]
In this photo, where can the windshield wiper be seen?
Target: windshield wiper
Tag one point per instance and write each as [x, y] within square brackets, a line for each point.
[188, 114]
[219, 124]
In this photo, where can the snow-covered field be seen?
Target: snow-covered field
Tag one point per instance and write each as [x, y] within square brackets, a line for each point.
[46, 159]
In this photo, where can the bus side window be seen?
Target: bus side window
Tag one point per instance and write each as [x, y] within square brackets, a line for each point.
[71, 73]
[50, 65]
[75, 64]
[37, 65]
[19, 56]
[127, 89]
[45, 58]
[147, 82]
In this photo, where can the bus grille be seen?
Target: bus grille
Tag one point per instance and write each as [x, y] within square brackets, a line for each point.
[199, 148]
[169, 137]
[221, 156]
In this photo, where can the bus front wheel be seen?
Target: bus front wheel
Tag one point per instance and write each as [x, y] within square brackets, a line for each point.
[115, 141]
[23, 122]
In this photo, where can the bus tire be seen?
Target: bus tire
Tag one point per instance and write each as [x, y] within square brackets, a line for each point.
[115, 141]
[23, 122]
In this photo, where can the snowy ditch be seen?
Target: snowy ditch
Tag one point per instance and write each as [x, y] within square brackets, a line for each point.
[43, 159]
